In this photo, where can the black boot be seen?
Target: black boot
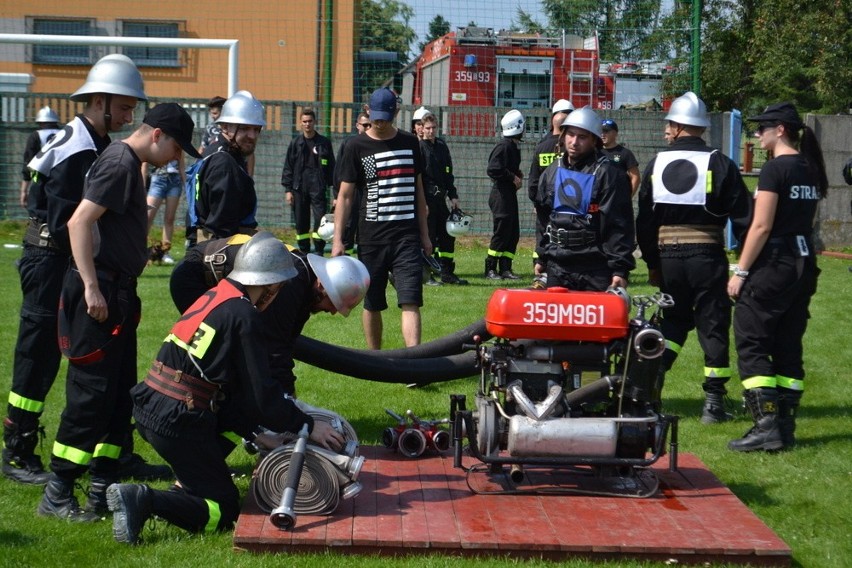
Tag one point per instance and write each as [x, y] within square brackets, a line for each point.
[491, 268]
[448, 273]
[59, 501]
[131, 506]
[788, 407]
[20, 463]
[764, 435]
[714, 403]
[506, 269]
[96, 502]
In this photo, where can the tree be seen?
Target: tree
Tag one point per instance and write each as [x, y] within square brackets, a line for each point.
[385, 38]
[438, 26]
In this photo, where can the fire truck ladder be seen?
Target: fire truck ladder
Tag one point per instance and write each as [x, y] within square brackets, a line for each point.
[582, 79]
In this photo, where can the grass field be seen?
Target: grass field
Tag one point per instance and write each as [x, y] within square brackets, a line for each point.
[801, 494]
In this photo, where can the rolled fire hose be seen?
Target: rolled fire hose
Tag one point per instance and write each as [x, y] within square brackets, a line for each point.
[284, 517]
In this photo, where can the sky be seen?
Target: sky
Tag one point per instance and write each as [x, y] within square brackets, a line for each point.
[497, 14]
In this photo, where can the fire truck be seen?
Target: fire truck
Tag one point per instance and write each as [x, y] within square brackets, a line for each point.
[476, 67]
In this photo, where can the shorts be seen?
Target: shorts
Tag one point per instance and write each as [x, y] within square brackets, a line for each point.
[165, 186]
[405, 259]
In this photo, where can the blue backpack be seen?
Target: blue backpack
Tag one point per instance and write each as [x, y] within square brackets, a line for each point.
[191, 189]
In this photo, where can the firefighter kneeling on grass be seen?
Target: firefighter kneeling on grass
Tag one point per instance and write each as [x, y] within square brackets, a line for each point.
[211, 375]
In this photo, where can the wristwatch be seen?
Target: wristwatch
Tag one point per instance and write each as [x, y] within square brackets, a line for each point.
[741, 273]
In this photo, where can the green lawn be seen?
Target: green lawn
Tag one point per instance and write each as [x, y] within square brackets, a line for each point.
[801, 495]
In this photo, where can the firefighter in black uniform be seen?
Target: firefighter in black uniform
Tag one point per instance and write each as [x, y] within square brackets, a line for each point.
[776, 277]
[308, 173]
[225, 200]
[588, 243]
[217, 350]
[48, 125]
[545, 152]
[333, 285]
[687, 195]
[439, 185]
[99, 310]
[504, 169]
[58, 171]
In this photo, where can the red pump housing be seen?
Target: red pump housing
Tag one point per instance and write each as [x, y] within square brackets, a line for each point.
[557, 314]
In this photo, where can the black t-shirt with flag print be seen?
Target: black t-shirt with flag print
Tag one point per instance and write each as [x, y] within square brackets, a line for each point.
[385, 174]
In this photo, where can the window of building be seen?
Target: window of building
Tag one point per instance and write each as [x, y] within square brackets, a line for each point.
[153, 56]
[62, 54]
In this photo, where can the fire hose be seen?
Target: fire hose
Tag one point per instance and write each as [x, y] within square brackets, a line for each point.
[324, 476]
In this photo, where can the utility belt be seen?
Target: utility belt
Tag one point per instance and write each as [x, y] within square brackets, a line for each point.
[109, 275]
[676, 235]
[38, 234]
[196, 393]
[202, 234]
[214, 268]
[580, 238]
[799, 246]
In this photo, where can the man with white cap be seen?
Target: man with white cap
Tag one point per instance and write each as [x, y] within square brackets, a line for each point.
[688, 193]
[504, 169]
[545, 152]
[589, 234]
[48, 125]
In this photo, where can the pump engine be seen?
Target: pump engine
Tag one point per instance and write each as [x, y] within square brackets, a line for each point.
[571, 382]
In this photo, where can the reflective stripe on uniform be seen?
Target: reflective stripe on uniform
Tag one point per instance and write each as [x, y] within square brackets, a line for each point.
[760, 381]
[790, 383]
[717, 372]
[73, 455]
[303, 236]
[107, 451]
[232, 437]
[200, 342]
[24, 403]
[494, 253]
[213, 516]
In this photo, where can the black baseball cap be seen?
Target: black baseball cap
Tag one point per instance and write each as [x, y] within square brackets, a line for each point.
[609, 124]
[779, 112]
[172, 119]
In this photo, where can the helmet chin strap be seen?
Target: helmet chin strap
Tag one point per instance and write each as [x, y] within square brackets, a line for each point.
[107, 112]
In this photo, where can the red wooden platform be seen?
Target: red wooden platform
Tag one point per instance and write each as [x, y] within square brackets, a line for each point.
[424, 506]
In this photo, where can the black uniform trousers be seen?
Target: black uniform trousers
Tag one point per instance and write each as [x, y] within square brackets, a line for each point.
[772, 314]
[507, 224]
[208, 500]
[96, 419]
[37, 354]
[442, 242]
[305, 203]
[696, 276]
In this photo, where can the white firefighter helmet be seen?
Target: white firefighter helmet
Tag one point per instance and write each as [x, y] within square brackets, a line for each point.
[344, 279]
[587, 119]
[326, 227]
[46, 114]
[458, 223]
[562, 105]
[420, 114]
[688, 109]
[113, 74]
[242, 108]
[263, 260]
[512, 123]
